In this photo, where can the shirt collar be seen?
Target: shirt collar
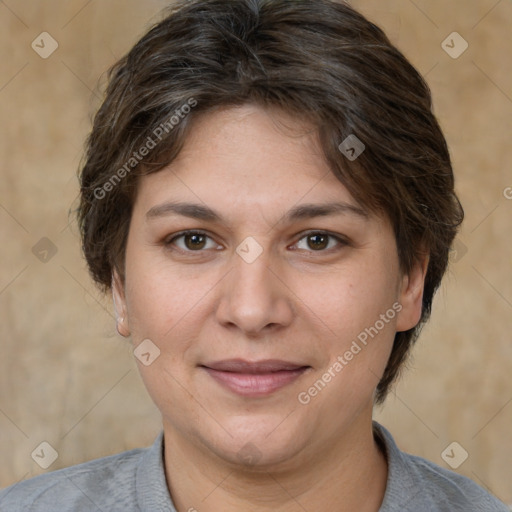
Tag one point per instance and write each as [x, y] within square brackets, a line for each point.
[151, 485]
[153, 493]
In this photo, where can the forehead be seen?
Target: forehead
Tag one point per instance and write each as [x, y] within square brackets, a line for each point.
[245, 158]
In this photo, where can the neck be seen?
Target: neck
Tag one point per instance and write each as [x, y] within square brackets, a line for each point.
[348, 475]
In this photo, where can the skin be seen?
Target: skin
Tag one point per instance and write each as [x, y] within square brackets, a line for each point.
[299, 301]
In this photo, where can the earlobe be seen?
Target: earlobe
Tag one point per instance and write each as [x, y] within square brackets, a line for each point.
[118, 297]
[411, 295]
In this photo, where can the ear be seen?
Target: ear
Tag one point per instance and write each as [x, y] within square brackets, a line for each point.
[118, 296]
[411, 295]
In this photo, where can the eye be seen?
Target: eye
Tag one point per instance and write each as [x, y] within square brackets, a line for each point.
[192, 241]
[320, 241]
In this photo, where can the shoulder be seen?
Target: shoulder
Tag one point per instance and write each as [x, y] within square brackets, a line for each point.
[88, 486]
[415, 483]
[448, 490]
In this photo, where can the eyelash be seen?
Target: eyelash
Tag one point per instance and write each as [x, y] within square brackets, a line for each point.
[339, 239]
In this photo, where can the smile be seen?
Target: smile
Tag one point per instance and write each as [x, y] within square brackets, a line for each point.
[253, 379]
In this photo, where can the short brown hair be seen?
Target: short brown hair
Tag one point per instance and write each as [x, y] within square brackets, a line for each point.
[319, 61]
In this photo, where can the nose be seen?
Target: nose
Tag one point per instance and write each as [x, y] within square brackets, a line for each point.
[255, 299]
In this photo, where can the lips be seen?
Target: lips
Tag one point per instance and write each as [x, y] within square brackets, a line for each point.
[254, 378]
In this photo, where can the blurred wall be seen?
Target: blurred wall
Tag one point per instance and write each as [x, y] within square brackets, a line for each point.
[68, 379]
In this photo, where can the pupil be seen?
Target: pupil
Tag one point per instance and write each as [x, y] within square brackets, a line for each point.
[194, 241]
[318, 241]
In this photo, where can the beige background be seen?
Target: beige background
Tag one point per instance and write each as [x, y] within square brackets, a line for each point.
[67, 378]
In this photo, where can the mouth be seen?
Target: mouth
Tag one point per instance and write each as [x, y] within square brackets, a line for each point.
[253, 379]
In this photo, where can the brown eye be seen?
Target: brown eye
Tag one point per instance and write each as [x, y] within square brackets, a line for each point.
[318, 241]
[194, 241]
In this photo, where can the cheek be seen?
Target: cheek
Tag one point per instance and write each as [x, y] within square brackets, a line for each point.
[358, 308]
[352, 300]
[359, 319]
[154, 301]
[165, 301]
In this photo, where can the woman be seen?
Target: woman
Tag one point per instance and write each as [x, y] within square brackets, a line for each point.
[270, 200]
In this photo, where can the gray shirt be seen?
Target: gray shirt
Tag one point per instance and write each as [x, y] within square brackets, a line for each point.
[134, 481]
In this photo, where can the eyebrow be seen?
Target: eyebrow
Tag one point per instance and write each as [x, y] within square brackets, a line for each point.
[300, 212]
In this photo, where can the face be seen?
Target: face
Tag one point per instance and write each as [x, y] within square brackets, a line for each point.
[269, 296]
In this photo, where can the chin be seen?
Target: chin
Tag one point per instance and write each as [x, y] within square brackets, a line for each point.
[259, 448]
